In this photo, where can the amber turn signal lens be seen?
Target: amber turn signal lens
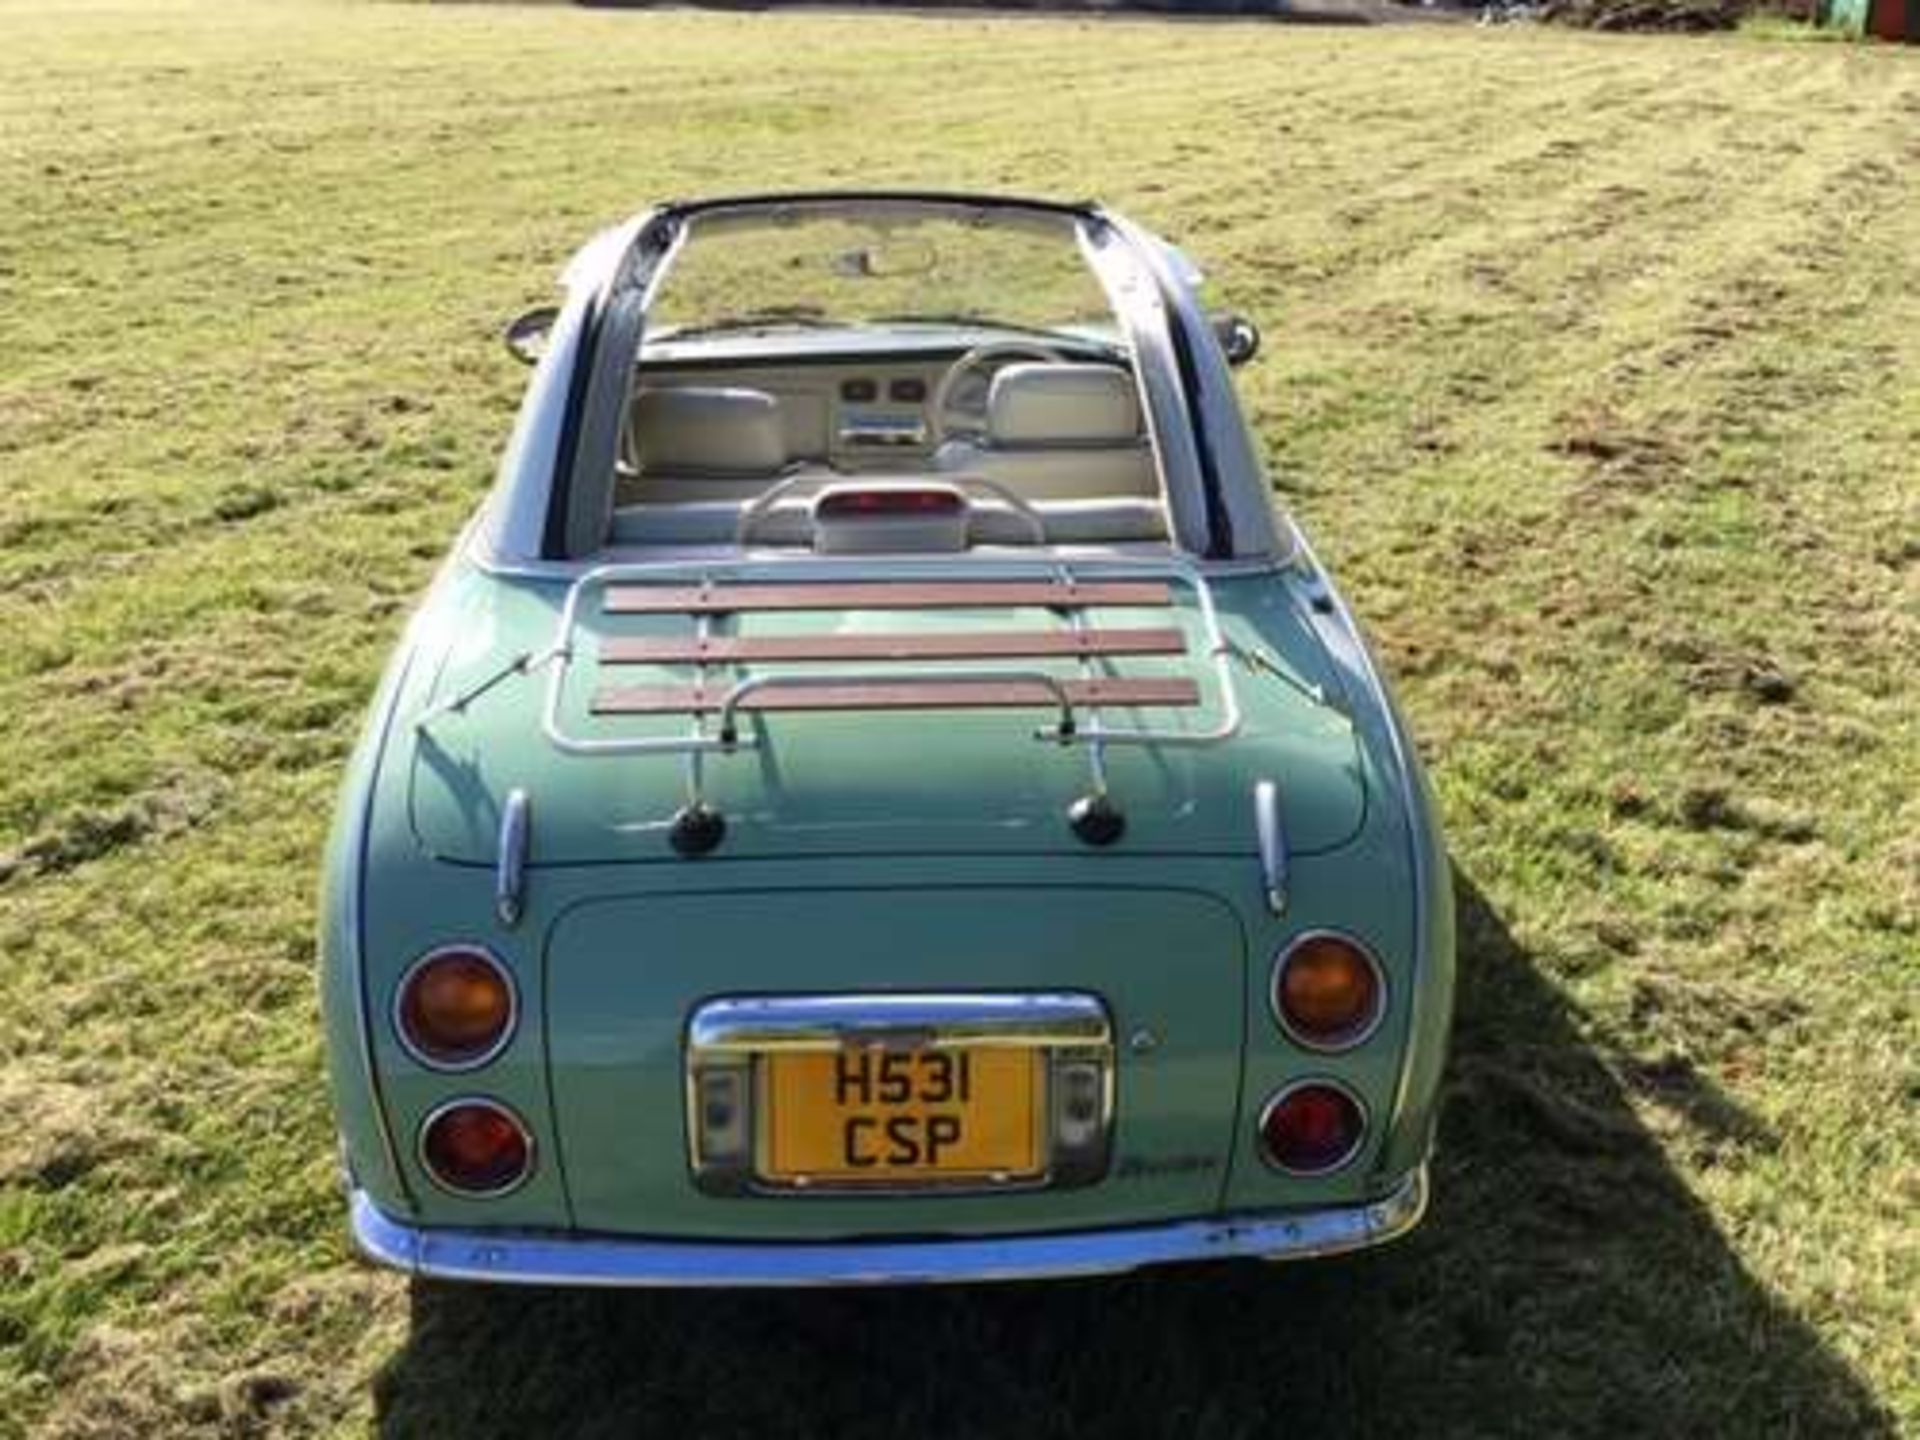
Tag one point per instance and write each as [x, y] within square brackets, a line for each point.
[455, 1008]
[476, 1147]
[1327, 992]
[1311, 1128]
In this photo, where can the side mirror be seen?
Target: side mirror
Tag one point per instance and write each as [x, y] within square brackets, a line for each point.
[1239, 338]
[526, 337]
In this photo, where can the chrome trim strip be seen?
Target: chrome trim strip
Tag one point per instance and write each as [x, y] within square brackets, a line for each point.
[1325, 1082]
[1270, 829]
[559, 1258]
[484, 1057]
[510, 874]
[830, 1022]
[1351, 1041]
[483, 1102]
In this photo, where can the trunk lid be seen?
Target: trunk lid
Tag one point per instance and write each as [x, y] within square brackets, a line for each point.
[878, 778]
[624, 974]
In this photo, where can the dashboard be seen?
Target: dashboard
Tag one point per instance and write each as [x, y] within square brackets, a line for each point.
[852, 397]
[852, 413]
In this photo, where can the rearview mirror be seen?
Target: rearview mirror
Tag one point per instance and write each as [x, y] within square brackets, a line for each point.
[1239, 338]
[526, 337]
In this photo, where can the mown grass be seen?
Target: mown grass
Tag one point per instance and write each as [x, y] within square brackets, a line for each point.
[1593, 364]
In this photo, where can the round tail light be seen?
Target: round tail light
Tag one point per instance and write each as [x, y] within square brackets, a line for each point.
[476, 1147]
[1311, 1128]
[1328, 991]
[455, 1008]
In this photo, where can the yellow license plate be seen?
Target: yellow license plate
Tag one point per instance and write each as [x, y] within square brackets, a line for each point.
[858, 1117]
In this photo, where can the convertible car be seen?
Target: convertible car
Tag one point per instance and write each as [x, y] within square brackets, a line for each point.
[880, 793]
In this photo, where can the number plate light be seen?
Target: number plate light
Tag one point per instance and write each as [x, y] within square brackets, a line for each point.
[1082, 1104]
[721, 1124]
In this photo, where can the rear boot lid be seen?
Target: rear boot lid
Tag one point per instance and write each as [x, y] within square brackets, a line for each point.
[625, 977]
[874, 720]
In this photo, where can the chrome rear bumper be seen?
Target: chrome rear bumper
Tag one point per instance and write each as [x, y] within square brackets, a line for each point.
[556, 1258]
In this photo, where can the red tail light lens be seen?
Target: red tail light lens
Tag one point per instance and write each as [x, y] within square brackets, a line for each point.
[476, 1147]
[896, 501]
[1328, 992]
[1312, 1128]
[455, 1009]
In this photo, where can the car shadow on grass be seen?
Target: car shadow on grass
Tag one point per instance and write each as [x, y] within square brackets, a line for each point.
[1565, 1283]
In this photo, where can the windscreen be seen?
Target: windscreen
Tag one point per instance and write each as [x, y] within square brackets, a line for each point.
[834, 271]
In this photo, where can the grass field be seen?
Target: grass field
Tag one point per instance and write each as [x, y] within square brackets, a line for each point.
[1593, 364]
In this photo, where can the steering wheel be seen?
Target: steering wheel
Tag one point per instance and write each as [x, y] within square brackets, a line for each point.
[959, 408]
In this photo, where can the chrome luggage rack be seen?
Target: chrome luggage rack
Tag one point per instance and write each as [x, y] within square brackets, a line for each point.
[709, 589]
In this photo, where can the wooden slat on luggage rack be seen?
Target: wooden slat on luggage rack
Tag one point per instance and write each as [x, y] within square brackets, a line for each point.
[879, 595]
[1012, 694]
[956, 645]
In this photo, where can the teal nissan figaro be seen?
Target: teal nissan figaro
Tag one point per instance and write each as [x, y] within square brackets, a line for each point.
[879, 792]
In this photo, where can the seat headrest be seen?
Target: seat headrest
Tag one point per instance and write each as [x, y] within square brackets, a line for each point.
[1041, 404]
[708, 430]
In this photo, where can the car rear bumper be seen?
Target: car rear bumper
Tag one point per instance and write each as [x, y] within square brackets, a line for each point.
[556, 1258]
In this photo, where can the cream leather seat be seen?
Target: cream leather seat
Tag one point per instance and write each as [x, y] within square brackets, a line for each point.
[718, 442]
[1068, 441]
[1060, 432]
